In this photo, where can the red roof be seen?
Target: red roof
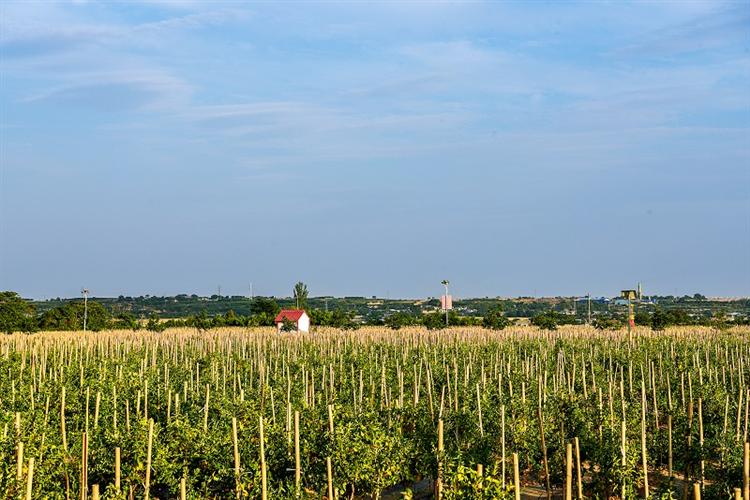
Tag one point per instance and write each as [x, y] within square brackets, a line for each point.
[290, 315]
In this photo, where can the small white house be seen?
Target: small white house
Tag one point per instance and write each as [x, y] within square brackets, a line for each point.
[296, 316]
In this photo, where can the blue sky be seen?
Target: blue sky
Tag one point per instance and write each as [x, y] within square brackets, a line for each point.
[516, 148]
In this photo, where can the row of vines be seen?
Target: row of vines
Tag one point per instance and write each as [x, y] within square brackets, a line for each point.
[463, 413]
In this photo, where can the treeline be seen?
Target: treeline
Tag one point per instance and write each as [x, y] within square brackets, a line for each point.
[18, 314]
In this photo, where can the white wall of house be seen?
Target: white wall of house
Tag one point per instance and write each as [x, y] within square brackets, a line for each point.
[303, 324]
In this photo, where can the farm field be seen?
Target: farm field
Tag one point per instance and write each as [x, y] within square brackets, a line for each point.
[254, 414]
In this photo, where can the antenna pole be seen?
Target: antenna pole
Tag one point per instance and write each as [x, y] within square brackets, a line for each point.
[85, 293]
[445, 284]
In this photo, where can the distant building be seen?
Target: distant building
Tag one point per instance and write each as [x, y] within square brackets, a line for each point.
[296, 316]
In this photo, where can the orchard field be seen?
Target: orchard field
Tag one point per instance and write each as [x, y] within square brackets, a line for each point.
[461, 413]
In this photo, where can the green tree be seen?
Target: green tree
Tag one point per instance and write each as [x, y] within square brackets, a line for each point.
[16, 314]
[434, 320]
[397, 320]
[495, 320]
[300, 295]
[201, 321]
[265, 305]
[126, 320]
[287, 325]
[154, 325]
[70, 317]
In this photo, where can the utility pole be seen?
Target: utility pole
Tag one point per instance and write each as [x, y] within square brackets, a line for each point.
[445, 284]
[588, 297]
[85, 293]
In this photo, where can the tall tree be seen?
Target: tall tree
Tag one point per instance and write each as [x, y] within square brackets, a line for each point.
[16, 314]
[300, 295]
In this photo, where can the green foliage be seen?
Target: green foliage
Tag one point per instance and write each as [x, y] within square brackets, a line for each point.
[265, 306]
[200, 322]
[126, 321]
[495, 320]
[547, 321]
[465, 482]
[16, 314]
[70, 317]
[300, 295]
[154, 325]
[434, 320]
[288, 325]
[607, 323]
[398, 320]
[662, 319]
[337, 319]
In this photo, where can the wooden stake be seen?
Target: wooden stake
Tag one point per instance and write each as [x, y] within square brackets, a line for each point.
[670, 471]
[236, 457]
[19, 461]
[183, 489]
[547, 486]
[148, 457]
[578, 468]
[117, 469]
[264, 492]
[746, 473]
[516, 478]
[205, 409]
[297, 462]
[502, 445]
[329, 471]
[94, 492]
[439, 480]
[568, 471]
[85, 466]
[62, 420]
[30, 479]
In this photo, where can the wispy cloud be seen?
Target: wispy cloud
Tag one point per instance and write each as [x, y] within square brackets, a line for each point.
[725, 25]
[117, 91]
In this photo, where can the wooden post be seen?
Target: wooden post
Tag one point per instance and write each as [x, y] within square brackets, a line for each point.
[148, 457]
[439, 481]
[19, 461]
[85, 466]
[205, 409]
[746, 473]
[30, 479]
[623, 450]
[670, 470]
[547, 486]
[94, 488]
[330, 420]
[264, 492]
[644, 458]
[697, 491]
[737, 494]
[578, 468]
[236, 457]
[183, 489]
[297, 462]
[516, 478]
[568, 471]
[62, 420]
[329, 473]
[117, 469]
[502, 441]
